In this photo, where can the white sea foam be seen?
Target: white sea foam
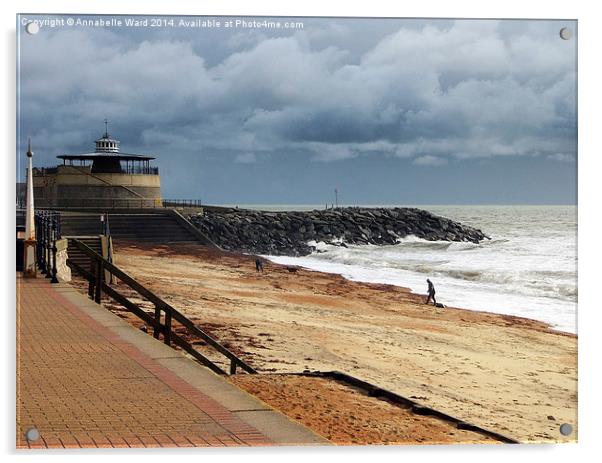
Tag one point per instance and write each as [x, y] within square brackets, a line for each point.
[528, 268]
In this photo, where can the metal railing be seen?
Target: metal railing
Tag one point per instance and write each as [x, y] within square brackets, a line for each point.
[99, 203]
[48, 231]
[164, 314]
[128, 169]
[140, 170]
[115, 203]
[182, 203]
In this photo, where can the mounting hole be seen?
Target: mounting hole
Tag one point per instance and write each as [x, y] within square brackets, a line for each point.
[32, 434]
[32, 28]
[566, 33]
[566, 429]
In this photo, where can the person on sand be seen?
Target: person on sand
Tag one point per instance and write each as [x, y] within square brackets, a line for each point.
[258, 265]
[431, 292]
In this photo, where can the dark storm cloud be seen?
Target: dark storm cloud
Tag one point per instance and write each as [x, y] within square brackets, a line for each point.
[430, 92]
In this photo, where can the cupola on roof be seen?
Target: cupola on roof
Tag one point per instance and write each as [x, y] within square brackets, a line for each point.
[106, 144]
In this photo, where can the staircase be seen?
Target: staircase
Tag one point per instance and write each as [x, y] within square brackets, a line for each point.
[151, 228]
[77, 256]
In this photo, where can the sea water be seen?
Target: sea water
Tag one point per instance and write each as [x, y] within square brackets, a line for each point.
[528, 268]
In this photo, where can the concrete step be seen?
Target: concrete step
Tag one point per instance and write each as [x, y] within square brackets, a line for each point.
[77, 256]
[158, 228]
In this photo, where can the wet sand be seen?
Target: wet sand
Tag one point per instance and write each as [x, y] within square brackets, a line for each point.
[511, 375]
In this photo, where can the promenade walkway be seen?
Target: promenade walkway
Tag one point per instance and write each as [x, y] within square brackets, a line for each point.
[86, 378]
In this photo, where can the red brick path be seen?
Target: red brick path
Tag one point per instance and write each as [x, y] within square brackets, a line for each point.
[81, 385]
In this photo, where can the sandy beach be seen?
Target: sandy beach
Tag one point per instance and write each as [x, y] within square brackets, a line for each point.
[511, 375]
[348, 416]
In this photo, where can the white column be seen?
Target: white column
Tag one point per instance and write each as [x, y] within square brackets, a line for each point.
[29, 248]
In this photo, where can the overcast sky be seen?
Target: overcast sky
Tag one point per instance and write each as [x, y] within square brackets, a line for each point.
[388, 111]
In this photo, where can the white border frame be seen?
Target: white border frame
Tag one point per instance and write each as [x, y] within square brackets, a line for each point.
[588, 187]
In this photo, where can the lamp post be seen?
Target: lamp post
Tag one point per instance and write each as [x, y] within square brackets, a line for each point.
[29, 244]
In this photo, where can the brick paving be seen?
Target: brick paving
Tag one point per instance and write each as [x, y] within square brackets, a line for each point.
[81, 385]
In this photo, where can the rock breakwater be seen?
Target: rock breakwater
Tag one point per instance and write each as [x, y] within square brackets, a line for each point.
[288, 233]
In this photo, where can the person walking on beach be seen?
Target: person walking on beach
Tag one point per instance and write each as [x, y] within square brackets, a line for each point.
[258, 265]
[431, 292]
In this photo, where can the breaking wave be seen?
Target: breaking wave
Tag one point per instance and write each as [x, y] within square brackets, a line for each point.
[528, 268]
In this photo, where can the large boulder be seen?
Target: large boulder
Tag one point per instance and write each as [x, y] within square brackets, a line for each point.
[287, 233]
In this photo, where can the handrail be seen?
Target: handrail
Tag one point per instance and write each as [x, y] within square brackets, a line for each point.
[198, 234]
[97, 284]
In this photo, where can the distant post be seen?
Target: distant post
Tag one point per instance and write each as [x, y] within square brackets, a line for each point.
[30, 243]
[336, 197]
